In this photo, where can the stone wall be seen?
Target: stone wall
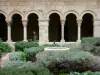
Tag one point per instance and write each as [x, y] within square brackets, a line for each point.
[45, 6]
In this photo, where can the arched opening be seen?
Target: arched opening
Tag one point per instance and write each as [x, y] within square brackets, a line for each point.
[87, 25]
[54, 28]
[33, 27]
[70, 29]
[3, 28]
[17, 28]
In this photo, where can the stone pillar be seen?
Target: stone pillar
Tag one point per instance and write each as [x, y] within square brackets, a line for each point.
[62, 30]
[43, 31]
[25, 30]
[79, 30]
[9, 30]
[96, 28]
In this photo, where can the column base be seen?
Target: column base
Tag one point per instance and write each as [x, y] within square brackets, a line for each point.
[79, 41]
[25, 40]
[9, 41]
[62, 40]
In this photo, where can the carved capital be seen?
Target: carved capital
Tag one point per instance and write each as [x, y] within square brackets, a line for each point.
[9, 22]
[24, 23]
[63, 22]
[79, 22]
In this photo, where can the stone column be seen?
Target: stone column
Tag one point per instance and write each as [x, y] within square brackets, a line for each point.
[96, 28]
[79, 30]
[9, 30]
[43, 31]
[62, 30]
[25, 30]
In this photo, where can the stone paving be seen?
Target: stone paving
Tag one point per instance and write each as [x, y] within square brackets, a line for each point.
[4, 59]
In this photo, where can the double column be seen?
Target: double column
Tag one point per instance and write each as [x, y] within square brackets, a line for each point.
[79, 22]
[25, 30]
[9, 22]
[62, 30]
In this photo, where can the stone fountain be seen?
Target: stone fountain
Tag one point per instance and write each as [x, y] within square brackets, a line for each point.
[60, 48]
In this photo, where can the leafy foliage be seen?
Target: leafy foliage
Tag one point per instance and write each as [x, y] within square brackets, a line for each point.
[84, 73]
[91, 44]
[15, 56]
[4, 47]
[47, 57]
[31, 52]
[0, 54]
[13, 64]
[20, 46]
[29, 70]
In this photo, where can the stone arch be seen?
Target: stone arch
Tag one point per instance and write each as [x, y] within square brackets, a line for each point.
[16, 27]
[90, 12]
[16, 12]
[3, 27]
[33, 11]
[70, 28]
[71, 11]
[53, 11]
[87, 25]
[2, 12]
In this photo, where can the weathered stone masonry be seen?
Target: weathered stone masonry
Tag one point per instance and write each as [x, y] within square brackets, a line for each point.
[44, 8]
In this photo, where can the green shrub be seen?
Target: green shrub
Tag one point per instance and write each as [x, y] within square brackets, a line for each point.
[13, 64]
[50, 45]
[14, 56]
[29, 70]
[91, 44]
[47, 57]
[31, 53]
[20, 46]
[0, 54]
[4, 47]
[84, 73]
[68, 61]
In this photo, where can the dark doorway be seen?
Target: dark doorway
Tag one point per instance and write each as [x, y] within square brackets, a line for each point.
[87, 26]
[3, 28]
[54, 28]
[33, 27]
[17, 28]
[70, 29]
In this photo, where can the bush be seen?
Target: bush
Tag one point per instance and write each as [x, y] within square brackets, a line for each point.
[50, 45]
[15, 56]
[31, 53]
[91, 44]
[68, 61]
[84, 73]
[0, 54]
[47, 57]
[4, 47]
[29, 70]
[13, 64]
[20, 46]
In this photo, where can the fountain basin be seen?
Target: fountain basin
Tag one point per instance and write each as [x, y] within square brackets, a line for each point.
[56, 48]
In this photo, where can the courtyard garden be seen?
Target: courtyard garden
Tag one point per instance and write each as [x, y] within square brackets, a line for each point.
[30, 58]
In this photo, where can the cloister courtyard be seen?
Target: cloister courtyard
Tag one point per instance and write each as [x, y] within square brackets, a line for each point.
[49, 37]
